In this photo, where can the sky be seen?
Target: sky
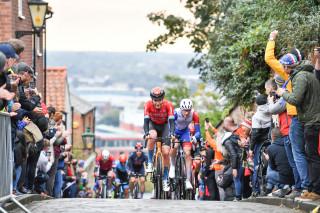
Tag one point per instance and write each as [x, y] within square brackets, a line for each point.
[110, 25]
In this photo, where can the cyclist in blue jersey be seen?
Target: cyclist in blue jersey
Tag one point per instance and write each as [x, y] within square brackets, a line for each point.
[122, 175]
[136, 163]
[183, 117]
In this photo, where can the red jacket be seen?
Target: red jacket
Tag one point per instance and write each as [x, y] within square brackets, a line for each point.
[284, 122]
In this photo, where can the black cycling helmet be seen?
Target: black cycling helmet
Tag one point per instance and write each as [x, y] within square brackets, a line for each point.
[138, 146]
[157, 93]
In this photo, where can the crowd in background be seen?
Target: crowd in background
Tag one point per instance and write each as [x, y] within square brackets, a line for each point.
[42, 155]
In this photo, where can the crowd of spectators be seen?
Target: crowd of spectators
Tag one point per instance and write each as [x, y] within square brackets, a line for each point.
[42, 155]
[275, 150]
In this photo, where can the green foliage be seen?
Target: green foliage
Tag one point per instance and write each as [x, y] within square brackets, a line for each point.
[177, 90]
[111, 118]
[234, 35]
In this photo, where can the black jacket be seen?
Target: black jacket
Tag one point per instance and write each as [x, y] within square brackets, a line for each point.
[28, 103]
[278, 161]
[226, 182]
[209, 158]
[230, 141]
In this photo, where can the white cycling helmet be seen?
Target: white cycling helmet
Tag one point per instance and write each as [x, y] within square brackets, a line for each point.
[186, 104]
[105, 155]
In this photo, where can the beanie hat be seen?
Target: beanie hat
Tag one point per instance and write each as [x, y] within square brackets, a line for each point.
[81, 163]
[279, 80]
[261, 99]
[298, 53]
[247, 123]
[288, 59]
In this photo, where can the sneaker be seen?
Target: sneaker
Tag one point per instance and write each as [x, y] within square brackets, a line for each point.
[293, 194]
[254, 194]
[303, 196]
[270, 194]
[188, 185]
[109, 193]
[285, 190]
[277, 193]
[165, 186]
[172, 172]
[311, 197]
[25, 191]
[43, 194]
[149, 168]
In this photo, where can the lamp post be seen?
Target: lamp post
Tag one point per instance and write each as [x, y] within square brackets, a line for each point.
[38, 10]
[88, 138]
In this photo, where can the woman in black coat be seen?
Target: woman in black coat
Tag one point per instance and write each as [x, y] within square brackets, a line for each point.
[230, 141]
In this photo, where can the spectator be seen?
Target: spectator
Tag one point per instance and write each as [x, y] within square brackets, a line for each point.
[296, 128]
[281, 172]
[209, 177]
[230, 125]
[43, 166]
[18, 46]
[230, 141]
[305, 96]
[225, 180]
[260, 128]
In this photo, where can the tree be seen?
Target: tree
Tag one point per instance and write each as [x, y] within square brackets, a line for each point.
[234, 35]
[177, 90]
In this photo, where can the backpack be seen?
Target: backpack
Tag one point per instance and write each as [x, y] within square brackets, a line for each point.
[32, 133]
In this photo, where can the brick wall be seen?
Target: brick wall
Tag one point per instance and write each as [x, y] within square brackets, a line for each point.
[9, 23]
[83, 121]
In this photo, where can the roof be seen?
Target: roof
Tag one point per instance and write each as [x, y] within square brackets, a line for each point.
[56, 87]
[80, 106]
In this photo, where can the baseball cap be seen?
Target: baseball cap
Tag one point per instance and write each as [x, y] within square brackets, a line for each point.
[23, 67]
[288, 59]
[8, 51]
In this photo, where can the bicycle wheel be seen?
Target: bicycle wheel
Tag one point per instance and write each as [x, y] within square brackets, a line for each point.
[177, 179]
[159, 175]
[103, 193]
[136, 190]
[183, 170]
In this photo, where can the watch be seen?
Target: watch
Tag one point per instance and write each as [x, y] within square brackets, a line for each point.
[271, 39]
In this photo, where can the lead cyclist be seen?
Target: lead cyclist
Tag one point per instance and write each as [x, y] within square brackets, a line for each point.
[183, 117]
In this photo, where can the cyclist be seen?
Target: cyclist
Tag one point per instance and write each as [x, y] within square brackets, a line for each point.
[183, 117]
[122, 174]
[157, 113]
[105, 165]
[135, 164]
[196, 153]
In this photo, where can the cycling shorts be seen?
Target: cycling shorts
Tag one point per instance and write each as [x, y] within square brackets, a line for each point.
[140, 171]
[184, 135]
[122, 177]
[104, 172]
[162, 131]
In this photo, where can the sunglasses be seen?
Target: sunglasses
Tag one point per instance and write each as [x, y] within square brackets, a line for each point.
[138, 150]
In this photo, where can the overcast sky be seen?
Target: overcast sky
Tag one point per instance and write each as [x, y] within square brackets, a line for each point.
[109, 25]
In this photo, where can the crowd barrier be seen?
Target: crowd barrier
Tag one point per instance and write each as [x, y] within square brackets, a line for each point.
[6, 163]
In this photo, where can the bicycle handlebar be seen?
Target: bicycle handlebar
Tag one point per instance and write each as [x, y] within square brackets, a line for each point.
[157, 138]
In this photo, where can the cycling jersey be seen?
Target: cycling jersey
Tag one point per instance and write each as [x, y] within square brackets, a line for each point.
[121, 172]
[159, 116]
[105, 165]
[135, 163]
[182, 123]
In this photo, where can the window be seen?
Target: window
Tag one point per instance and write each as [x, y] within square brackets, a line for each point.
[20, 9]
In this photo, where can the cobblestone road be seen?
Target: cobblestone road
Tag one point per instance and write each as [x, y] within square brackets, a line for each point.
[153, 206]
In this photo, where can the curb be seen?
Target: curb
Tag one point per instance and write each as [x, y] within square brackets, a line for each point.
[24, 200]
[304, 206]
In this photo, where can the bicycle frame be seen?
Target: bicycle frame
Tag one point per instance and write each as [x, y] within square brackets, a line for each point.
[104, 186]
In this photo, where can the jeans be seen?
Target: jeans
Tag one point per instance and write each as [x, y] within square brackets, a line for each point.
[57, 184]
[238, 182]
[256, 150]
[296, 134]
[18, 173]
[273, 179]
[52, 175]
[311, 136]
[288, 148]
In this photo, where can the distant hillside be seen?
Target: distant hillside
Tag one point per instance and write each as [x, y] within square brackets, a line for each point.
[136, 69]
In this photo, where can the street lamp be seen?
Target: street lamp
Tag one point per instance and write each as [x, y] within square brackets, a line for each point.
[88, 138]
[38, 10]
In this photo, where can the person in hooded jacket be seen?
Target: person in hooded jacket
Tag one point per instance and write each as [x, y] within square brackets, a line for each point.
[225, 180]
[261, 122]
[231, 142]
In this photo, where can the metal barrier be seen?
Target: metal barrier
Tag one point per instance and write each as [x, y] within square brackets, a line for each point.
[6, 163]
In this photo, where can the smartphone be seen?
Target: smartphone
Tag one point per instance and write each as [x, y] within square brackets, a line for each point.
[31, 85]
[207, 120]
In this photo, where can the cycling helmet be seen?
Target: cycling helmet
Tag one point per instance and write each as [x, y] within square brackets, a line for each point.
[186, 104]
[191, 128]
[105, 155]
[138, 146]
[123, 158]
[157, 93]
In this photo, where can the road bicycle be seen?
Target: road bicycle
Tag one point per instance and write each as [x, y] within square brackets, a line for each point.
[104, 186]
[157, 174]
[136, 188]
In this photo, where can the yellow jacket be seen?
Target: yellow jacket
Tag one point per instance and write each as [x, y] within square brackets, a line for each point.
[278, 68]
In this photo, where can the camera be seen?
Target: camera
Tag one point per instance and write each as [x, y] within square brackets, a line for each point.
[275, 95]
[207, 120]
